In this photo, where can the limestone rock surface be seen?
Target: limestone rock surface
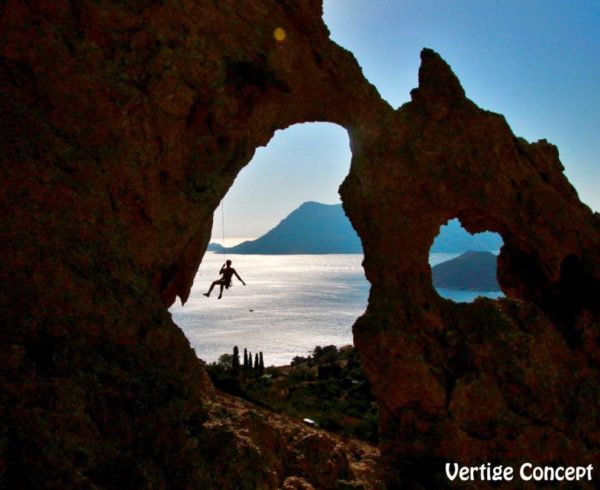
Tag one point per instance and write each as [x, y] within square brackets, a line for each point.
[123, 124]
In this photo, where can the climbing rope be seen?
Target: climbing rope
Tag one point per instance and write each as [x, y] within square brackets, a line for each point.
[223, 226]
[223, 221]
[223, 234]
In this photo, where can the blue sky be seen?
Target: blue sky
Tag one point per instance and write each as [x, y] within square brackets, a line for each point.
[536, 62]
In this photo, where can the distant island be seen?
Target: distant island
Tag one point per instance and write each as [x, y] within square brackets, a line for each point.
[472, 271]
[313, 228]
[316, 228]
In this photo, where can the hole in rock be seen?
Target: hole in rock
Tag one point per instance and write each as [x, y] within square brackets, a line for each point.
[289, 239]
[463, 265]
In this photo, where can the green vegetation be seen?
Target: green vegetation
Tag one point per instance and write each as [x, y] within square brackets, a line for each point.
[328, 387]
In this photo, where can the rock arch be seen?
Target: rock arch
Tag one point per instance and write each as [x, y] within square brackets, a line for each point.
[444, 373]
[122, 128]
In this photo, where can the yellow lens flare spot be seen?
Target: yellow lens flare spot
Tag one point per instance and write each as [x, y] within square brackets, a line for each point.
[279, 34]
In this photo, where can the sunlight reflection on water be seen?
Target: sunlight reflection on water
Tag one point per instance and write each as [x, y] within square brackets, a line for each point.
[292, 303]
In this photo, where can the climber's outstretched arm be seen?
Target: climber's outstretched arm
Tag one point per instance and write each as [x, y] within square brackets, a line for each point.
[241, 280]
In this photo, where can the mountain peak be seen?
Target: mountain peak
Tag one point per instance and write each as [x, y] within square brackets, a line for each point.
[312, 228]
[317, 228]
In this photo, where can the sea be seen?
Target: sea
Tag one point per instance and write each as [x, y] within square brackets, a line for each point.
[291, 304]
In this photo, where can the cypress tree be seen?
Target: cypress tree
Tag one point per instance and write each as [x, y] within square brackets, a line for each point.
[250, 360]
[261, 361]
[245, 358]
[235, 360]
[256, 364]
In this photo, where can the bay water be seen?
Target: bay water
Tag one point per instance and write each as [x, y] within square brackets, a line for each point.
[291, 304]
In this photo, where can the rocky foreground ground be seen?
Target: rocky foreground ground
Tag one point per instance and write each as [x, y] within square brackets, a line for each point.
[288, 453]
[124, 124]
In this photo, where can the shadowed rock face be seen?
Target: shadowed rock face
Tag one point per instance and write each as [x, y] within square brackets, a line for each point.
[506, 380]
[123, 126]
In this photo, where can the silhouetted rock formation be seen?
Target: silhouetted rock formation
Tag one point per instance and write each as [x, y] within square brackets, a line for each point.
[492, 380]
[474, 271]
[123, 125]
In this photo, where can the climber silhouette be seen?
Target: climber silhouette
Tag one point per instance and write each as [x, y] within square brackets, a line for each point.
[225, 282]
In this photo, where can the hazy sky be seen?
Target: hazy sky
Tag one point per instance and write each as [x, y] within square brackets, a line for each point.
[537, 62]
